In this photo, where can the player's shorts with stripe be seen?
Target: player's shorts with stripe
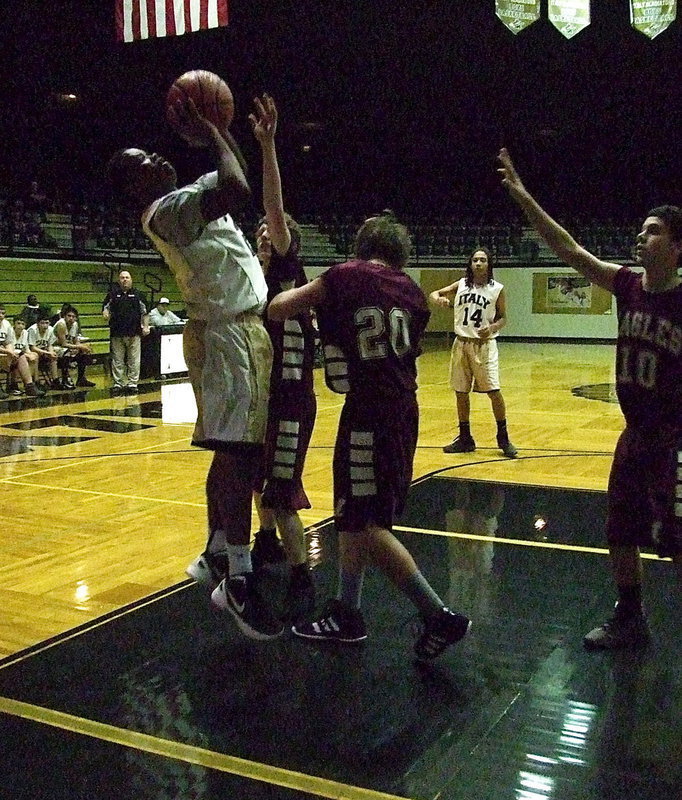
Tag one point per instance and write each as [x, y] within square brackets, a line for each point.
[229, 366]
[291, 419]
[645, 491]
[373, 461]
[474, 362]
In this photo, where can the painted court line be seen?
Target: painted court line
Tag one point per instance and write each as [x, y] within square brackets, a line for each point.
[577, 548]
[65, 489]
[190, 754]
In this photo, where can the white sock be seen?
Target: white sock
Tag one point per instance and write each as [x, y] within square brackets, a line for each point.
[216, 542]
[239, 557]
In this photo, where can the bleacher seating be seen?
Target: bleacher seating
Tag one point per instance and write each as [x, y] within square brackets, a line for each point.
[50, 270]
[84, 285]
[445, 242]
[433, 242]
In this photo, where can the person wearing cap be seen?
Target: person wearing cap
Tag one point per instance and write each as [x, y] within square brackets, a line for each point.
[162, 315]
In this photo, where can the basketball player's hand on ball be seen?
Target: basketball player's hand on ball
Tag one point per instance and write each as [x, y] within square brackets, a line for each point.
[509, 176]
[264, 119]
[194, 128]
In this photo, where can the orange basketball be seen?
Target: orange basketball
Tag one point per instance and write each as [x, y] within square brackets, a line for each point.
[211, 95]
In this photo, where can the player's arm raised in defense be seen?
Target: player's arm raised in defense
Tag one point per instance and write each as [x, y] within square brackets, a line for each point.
[443, 297]
[232, 190]
[559, 240]
[264, 125]
[294, 301]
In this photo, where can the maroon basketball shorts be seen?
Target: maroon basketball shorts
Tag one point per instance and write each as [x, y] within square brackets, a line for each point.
[291, 418]
[645, 491]
[373, 461]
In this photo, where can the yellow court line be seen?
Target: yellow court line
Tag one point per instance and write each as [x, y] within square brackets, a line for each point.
[190, 754]
[576, 548]
[106, 494]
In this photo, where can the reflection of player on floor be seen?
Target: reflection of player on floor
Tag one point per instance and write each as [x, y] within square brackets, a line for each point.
[371, 317]
[470, 561]
[644, 485]
[480, 313]
[227, 349]
[278, 491]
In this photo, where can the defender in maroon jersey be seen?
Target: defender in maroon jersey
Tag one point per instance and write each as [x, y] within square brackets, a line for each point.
[371, 317]
[278, 487]
[644, 507]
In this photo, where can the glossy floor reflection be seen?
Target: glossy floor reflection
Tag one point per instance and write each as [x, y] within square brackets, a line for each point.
[518, 710]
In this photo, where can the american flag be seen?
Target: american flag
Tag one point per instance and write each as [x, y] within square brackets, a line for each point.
[146, 19]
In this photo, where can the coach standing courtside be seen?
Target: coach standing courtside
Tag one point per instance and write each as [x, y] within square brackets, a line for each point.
[126, 313]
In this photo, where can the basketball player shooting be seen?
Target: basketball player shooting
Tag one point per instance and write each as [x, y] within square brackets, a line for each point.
[227, 349]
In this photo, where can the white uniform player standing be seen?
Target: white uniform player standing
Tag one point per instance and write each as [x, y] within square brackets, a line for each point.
[480, 307]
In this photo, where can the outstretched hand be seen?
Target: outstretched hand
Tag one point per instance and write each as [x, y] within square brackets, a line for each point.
[508, 173]
[264, 120]
[194, 128]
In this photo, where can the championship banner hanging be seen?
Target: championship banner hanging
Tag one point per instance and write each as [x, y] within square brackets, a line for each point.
[652, 17]
[517, 14]
[569, 16]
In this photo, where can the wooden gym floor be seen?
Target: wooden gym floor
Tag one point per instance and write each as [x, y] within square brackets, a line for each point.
[118, 681]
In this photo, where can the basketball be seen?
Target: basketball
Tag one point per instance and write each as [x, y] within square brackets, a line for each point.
[211, 95]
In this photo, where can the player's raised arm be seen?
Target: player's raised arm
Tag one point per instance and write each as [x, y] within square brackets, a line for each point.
[264, 125]
[232, 190]
[559, 240]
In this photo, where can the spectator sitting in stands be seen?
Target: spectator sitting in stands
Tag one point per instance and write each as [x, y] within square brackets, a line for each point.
[5, 331]
[34, 231]
[31, 310]
[71, 347]
[13, 357]
[26, 224]
[162, 315]
[4, 221]
[36, 201]
[17, 224]
[41, 340]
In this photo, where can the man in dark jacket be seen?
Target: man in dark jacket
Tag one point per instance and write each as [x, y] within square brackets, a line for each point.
[125, 311]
